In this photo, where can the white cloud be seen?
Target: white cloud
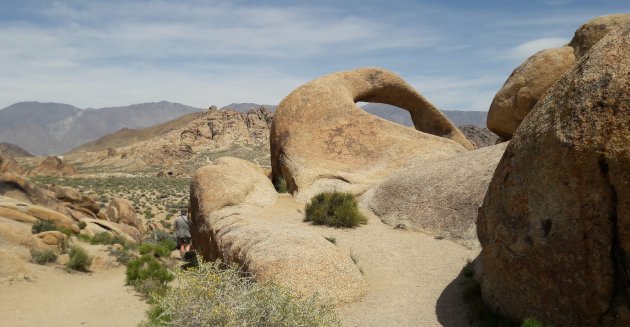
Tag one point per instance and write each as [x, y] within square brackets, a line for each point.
[93, 54]
[527, 49]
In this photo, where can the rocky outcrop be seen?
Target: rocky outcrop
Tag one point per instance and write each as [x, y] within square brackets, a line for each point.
[594, 30]
[530, 81]
[321, 140]
[226, 199]
[440, 198]
[527, 84]
[122, 211]
[479, 137]
[555, 223]
[53, 166]
[9, 165]
[96, 226]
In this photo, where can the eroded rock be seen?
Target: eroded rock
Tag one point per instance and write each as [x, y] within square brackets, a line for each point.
[555, 222]
[321, 140]
[225, 200]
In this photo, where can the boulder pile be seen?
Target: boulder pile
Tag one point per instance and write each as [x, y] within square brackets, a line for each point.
[529, 83]
[555, 222]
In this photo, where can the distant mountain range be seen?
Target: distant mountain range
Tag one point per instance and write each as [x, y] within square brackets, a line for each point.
[55, 128]
[403, 117]
[13, 150]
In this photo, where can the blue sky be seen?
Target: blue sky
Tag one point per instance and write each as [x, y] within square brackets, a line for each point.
[199, 53]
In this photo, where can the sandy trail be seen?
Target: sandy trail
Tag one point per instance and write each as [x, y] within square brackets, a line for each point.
[58, 298]
[412, 277]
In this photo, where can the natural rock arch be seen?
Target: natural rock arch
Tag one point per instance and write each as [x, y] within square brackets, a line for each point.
[321, 138]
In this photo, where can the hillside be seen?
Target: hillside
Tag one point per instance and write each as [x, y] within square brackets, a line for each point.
[13, 150]
[54, 128]
[180, 145]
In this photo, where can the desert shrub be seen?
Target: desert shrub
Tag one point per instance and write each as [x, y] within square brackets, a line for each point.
[82, 225]
[65, 230]
[331, 239]
[215, 295]
[43, 226]
[147, 275]
[79, 259]
[281, 185]
[44, 256]
[107, 239]
[123, 256]
[161, 249]
[334, 209]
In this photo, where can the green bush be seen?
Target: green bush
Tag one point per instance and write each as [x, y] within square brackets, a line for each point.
[281, 185]
[334, 209]
[82, 225]
[43, 257]
[43, 226]
[79, 259]
[147, 275]
[106, 238]
[155, 249]
[213, 295]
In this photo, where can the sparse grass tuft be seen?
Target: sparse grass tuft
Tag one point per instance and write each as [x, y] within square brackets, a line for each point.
[79, 259]
[106, 238]
[215, 295]
[44, 256]
[331, 239]
[334, 209]
[43, 226]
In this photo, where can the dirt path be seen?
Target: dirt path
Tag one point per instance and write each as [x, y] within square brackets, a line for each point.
[412, 277]
[57, 298]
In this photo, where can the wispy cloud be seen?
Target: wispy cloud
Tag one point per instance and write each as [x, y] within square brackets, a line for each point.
[527, 49]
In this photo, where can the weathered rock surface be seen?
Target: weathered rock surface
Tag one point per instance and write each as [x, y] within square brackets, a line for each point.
[15, 244]
[30, 213]
[53, 166]
[440, 198]
[53, 240]
[96, 226]
[527, 84]
[225, 200]
[17, 188]
[479, 137]
[555, 222]
[122, 211]
[321, 140]
[594, 30]
[9, 165]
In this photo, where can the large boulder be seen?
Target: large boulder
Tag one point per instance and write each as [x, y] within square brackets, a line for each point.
[52, 240]
[53, 166]
[440, 198]
[592, 31]
[122, 211]
[527, 84]
[226, 201]
[555, 223]
[321, 140]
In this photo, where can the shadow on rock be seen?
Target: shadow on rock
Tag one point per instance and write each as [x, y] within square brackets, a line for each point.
[451, 309]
